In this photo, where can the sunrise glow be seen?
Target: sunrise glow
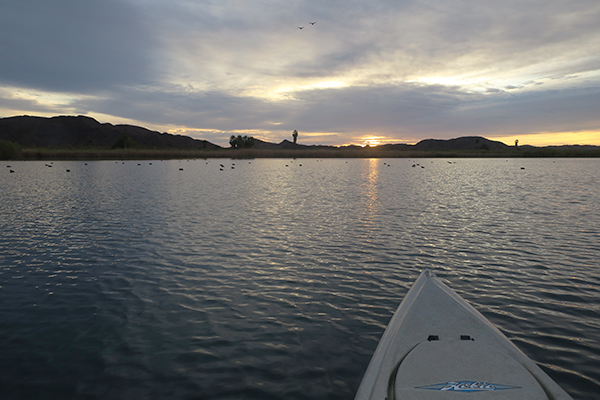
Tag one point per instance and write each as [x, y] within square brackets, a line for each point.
[553, 139]
[370, 77]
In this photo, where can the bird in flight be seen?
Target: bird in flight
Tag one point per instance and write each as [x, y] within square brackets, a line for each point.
[300, 27]
[312, 23]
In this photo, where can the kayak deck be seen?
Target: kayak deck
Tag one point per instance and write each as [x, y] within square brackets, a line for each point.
[437, 345]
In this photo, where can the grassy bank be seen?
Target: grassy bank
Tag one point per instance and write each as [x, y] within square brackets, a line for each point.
[104, 154]
[148, 154]
[9, 150]
[317, 152]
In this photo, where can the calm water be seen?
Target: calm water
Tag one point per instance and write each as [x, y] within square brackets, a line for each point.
[276, 278]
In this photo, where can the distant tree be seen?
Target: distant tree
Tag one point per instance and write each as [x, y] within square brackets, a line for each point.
[241, 142]
[295, 135]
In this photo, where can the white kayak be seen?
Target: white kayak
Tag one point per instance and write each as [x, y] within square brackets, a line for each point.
[437, 346]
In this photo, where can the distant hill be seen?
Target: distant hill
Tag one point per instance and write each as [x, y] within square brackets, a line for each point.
[81, 131]
[461, 143]
[467, 143]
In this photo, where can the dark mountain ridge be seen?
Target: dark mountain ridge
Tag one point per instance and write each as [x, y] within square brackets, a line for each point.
[81, 131]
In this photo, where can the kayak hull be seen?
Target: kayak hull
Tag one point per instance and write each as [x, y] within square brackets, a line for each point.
[437, 345]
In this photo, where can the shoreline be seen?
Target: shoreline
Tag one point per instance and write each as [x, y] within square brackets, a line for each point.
[372, 152]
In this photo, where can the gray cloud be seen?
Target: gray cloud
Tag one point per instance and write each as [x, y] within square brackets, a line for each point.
[73, 46]
[401, 111]
[204, 65]
[436, 111]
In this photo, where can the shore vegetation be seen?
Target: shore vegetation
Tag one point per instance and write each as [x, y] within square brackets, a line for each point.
[9, 150]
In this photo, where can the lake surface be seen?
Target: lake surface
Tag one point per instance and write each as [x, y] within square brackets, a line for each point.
[273, 278]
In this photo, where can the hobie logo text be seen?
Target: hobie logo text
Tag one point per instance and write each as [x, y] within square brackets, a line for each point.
[467, 386]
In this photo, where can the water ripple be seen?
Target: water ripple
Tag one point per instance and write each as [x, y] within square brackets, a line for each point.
[266, 281]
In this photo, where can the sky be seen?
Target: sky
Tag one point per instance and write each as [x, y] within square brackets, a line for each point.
[367, 72]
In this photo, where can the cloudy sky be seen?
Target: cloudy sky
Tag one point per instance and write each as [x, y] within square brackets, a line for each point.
[368, 71]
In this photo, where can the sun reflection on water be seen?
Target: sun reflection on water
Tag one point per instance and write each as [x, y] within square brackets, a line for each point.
[370, 192]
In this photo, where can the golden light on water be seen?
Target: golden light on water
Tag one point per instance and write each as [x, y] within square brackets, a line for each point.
[370, 195]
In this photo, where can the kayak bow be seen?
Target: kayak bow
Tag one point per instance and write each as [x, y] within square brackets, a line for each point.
[437, 346]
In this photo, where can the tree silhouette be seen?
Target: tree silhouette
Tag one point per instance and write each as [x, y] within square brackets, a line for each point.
[295, 135]
[241, 142]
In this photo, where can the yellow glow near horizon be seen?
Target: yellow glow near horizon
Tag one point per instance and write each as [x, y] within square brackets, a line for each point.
[553, 138]
[197, 131]
[54, 103]
[372, 141]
